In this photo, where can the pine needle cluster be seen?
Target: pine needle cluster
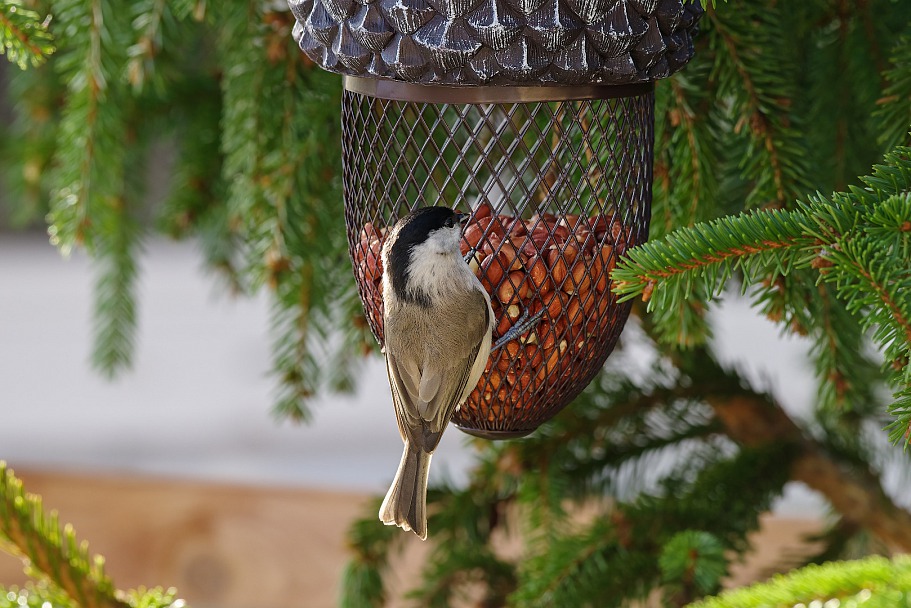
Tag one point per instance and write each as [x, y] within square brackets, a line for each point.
[67, 575]
[24, 37]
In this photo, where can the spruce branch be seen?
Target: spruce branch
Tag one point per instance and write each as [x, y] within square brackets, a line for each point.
[450, 573]
[566, 573]
[189, 8]
[612, 562]
[696, 151]
[857, 242]
[894, 111]
[293, 359]
[840, 81]
[362, 580]
[54, 553]
[692, 565]
[663, 272]
[40, 595]
[756, 77]
[28, 142]
[900, 428]
[92, 136]
[868, 280]
[847, 376]
[114, 314]
[24, 37]
[151, 18]
[68, 576]
[686, 150]
[875, 581]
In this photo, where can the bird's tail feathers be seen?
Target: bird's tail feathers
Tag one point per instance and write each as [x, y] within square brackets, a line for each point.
[405, 504]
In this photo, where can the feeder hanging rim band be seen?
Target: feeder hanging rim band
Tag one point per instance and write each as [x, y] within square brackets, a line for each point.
[446, 94]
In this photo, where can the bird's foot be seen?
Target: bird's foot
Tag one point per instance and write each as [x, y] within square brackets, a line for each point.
[523, 324]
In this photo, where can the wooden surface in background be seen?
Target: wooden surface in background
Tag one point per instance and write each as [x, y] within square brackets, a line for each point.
[227, 546]
[221, 546]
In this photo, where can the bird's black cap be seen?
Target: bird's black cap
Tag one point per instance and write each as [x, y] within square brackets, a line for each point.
[419, 223]
[410, 231]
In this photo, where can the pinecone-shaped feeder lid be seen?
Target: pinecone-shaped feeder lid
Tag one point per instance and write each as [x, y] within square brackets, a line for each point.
[499, 42]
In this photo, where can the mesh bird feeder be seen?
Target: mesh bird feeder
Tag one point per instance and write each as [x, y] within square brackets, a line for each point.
[536, 115]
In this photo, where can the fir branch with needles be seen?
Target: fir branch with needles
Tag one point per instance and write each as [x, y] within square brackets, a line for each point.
[875, 581]
[855, 241]
[894, 111]
[93, 131]
[68, 576]
[50, 551]
[755, 80]
[24, 35]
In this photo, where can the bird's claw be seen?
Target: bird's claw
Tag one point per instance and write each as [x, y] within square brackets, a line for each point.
[522, 325]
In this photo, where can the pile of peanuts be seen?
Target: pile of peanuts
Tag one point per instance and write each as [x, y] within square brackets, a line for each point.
[555, 266]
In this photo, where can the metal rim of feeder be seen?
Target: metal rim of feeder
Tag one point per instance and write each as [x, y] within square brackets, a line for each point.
[449, 94]
[405, 149]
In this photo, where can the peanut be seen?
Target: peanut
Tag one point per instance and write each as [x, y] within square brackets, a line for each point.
[537, 273]
[573, 312]
[481, 211]
[580, 280]
[491, 272]
[472, 235]
[373, 261]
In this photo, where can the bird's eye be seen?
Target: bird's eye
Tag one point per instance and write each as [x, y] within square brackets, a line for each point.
[449, 223]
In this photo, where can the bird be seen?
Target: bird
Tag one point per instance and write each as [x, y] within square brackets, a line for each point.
[438, 325]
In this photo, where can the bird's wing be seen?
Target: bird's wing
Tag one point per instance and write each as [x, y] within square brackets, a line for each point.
[404, 390]
[426, 398]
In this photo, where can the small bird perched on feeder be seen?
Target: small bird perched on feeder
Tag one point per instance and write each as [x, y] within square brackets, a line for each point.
[438, 325]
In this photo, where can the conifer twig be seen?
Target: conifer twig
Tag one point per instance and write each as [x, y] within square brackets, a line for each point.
[55, 554]
[759, 122]
[23, 35]
[883, 582]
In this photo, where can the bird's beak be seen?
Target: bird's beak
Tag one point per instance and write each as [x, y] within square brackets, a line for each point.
[462, 218]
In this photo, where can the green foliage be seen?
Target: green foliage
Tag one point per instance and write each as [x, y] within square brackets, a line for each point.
[873, 582]
[49, 551]
[854, 246]
[40, 595]
[68, 575]
[693, 559]
[45, 595]
[894, 113]
[362, 581]
[24, 37]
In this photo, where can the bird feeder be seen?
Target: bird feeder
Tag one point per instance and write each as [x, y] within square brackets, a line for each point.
[538, 117]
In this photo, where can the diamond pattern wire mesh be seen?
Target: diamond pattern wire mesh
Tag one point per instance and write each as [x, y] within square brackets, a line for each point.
[558, 191]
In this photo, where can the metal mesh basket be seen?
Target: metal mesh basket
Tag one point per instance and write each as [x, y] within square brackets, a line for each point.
[557, 191]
